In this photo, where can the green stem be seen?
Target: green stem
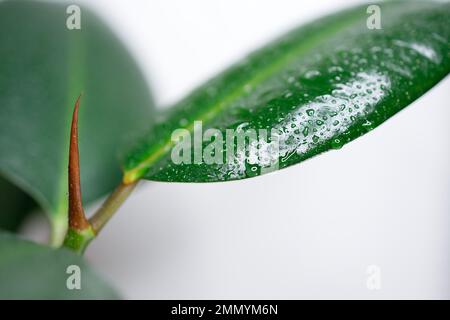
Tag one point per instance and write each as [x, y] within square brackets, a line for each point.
[110, 206]
[77, 240]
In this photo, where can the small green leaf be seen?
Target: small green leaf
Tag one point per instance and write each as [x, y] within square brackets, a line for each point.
[32, 271]
[43, 68]
[318, 87]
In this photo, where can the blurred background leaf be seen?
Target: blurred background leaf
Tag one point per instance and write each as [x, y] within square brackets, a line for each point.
[32, 271]
[43, 68]
[15, 205]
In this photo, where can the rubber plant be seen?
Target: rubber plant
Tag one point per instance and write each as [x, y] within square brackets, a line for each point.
[317, 88]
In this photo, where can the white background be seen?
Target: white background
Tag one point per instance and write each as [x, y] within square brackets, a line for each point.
[309, 231]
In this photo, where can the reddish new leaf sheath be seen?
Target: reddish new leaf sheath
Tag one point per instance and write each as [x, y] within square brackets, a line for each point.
[77, 218]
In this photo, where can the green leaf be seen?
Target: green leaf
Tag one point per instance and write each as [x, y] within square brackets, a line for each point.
[318, 87]
[32, 271]
[15, 205]
[43, 68]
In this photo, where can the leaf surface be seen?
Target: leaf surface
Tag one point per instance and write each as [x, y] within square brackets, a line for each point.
[318, 87]
[15, 206]
[32, 271]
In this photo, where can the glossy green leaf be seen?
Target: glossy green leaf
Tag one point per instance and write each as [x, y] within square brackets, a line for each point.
[318, 87]
[15, 206]
[43, 68]
[32, 271]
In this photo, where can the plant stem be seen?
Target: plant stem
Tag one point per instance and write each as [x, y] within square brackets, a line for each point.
[77, 240]
[110, 206]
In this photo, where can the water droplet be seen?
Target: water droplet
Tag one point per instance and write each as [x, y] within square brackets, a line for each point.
[311, 74]
[315, 139]
[305, 131]
[336, 143]
[367, 123]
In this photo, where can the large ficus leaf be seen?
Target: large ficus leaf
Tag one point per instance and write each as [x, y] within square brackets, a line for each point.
[32, 271]
[43, 68]
[318, 87]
